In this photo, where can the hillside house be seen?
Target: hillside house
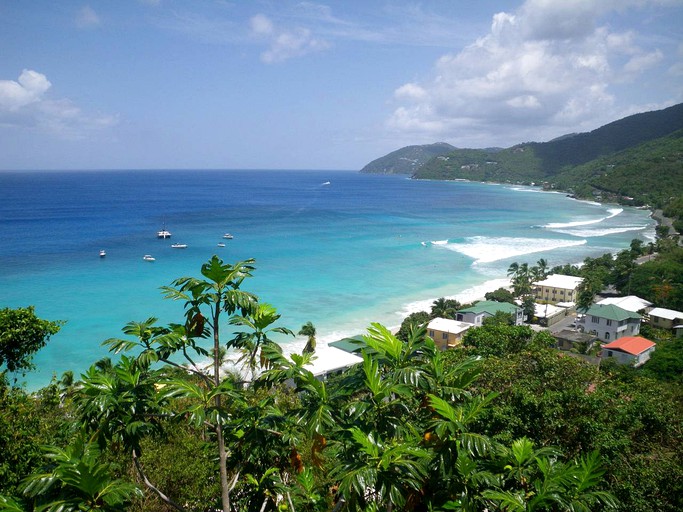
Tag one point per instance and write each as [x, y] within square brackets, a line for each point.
[487, 308]
[557, 288]
[609, 322]
[633, 350]
[447, 333]
[630, 303]
[663, 318]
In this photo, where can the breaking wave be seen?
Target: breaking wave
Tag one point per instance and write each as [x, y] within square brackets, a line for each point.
[590, 233]
[613, 212]
[489, 249]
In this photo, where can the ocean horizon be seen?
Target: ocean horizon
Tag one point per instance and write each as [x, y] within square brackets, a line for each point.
[338, 248]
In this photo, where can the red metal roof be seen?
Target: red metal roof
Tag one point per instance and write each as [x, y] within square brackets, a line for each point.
[633, 345]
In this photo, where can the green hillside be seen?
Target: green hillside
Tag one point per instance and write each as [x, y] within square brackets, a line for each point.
[541, 161]
[650, 173]
[407, 160]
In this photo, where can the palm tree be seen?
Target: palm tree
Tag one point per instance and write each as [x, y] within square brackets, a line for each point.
[308, 329]
[444, 308]
[257, 336]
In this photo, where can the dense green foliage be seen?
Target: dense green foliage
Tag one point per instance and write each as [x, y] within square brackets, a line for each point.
[504, 423]
[635, 422]
[397, 432]
[22, 334]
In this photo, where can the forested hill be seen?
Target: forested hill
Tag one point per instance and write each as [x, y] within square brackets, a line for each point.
[548, 161]
[540, 161]
[407, 160]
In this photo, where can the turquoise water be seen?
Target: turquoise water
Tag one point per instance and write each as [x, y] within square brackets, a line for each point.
[360, 249]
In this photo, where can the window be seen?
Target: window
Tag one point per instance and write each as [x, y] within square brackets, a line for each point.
[595, 319]
[444, 335]
[606, 335]
[431, 334]
[609, 353]
[609, 322]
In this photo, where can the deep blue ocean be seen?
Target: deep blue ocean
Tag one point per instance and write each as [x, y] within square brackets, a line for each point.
[339, 249]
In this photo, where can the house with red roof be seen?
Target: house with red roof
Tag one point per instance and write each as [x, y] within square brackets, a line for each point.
[633, 350]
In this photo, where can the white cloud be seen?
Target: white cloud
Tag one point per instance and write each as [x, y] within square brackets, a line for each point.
[29, 88]
[87, 18]
[284, 44]
[543, 70]
[639, 63]
[24, 104]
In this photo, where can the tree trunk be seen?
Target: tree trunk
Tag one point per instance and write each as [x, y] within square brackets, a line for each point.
[222, 455]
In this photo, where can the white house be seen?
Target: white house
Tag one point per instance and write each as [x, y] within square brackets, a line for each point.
[633, 350]
[630, 303]
[609, 322]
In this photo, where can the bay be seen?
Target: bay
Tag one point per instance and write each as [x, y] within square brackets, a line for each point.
[337, 248]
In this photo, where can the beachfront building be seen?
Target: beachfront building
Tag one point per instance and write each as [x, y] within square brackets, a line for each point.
[557, 288]
[630, 303]
[447, 333]
[633, 350]
[663, 318]
[609, 322]
[486, 308]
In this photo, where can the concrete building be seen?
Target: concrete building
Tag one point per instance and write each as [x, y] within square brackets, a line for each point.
[557, 288]
[610, 322]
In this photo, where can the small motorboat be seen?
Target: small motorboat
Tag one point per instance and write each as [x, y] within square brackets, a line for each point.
[103, 253]
[221, 244]
[228, 236]
[179, 246]
[148, 257]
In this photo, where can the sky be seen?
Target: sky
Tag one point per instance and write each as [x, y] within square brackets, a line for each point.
[280, 84]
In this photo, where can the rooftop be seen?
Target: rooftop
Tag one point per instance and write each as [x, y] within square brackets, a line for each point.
[629, 303]
[328, 359]
[448, 325]
[633, 345]
[491, 307]
[351, 345]
[611, 312]
[669, 314]
[560, 281]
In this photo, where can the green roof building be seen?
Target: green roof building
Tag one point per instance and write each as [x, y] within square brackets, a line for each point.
[486, 308]
[609, 322]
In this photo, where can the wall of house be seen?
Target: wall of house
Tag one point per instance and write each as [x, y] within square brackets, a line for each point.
[619, 357]
[610, 330]
[472, 318]
[444, 340]
[661, 323]
[553, 295]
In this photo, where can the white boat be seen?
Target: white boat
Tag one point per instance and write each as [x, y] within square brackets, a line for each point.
[179, 246]
[148, 257]
[163, 234]
[228, 236]
[103, 253]
[327, 183]
[221, 244]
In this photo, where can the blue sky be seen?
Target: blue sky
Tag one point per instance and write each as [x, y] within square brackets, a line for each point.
[318, 85]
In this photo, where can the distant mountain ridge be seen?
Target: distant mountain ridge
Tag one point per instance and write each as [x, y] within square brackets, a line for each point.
[532, 161]
[407, 160]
